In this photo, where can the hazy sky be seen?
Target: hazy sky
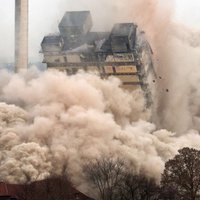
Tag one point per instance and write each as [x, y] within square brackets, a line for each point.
[44, 17]
[188, 11]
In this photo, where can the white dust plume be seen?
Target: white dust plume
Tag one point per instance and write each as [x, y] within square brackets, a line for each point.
[49, 120]
[176, 60]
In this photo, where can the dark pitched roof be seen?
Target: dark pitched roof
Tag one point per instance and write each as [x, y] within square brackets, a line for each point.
[74, 18]
[8, 191]
[7, 197]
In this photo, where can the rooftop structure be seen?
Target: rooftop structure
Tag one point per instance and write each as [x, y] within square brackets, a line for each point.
[53, 43]
[74, 26]
[123, 37]
[78, 20]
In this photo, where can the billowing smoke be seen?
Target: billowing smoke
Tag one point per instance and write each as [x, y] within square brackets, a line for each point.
[176, 60]
[50, 120]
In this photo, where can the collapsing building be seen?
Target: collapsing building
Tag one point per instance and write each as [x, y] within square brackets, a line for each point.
[123, 52]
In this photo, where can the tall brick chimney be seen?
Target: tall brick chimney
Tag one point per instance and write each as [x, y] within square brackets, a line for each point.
[21, 35]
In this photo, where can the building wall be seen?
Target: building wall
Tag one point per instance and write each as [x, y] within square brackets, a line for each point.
[54, 59]
[106, 71]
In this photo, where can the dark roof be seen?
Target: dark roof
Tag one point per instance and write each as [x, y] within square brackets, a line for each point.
[51, 39]
[13, 190]
[122, 29]
[7, 197]
[74, 18]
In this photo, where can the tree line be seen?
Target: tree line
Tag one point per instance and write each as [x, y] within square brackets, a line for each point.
[180, 179]
[110, 179]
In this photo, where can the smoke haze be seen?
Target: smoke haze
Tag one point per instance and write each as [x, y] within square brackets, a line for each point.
[45, 15]
[49, 120]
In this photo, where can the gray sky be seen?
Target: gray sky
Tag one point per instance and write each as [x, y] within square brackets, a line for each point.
[44, 16]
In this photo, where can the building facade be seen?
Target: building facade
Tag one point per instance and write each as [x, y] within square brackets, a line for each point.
[123, 52]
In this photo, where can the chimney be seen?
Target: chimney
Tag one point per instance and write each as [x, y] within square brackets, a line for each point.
[21, 35]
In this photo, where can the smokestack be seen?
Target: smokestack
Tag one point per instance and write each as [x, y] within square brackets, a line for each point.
[21, 35]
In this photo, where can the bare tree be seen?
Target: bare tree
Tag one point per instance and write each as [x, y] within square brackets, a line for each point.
[138, 187]
[105, 174]
[181, 177]
[113, 181]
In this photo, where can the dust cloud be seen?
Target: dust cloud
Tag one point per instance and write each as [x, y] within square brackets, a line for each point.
[176, 61]
[49, 120]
